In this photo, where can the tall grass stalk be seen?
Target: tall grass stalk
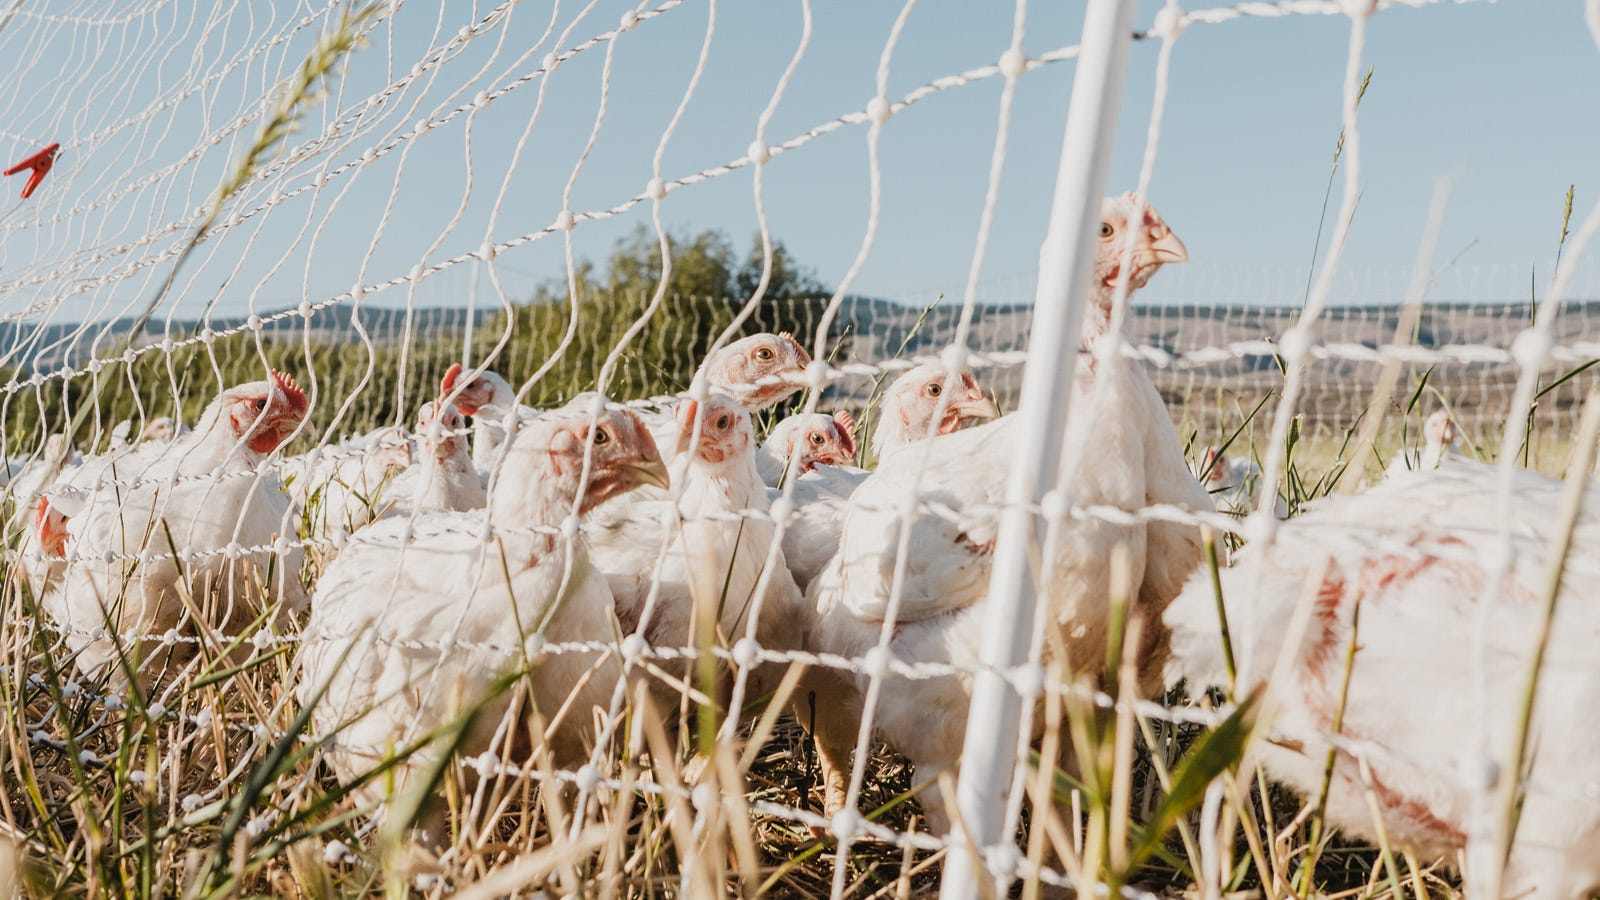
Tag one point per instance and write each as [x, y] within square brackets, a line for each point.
[1572, 502]
[1327, 194]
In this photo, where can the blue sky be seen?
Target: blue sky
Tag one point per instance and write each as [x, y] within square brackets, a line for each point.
[1501, 97]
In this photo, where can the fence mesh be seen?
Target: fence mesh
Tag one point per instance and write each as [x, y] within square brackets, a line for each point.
[310, 636]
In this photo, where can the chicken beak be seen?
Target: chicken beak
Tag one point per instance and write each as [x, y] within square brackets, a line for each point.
[979, 407]
[648, 471]
[835, 457]
[686, 419]
[1168, 249]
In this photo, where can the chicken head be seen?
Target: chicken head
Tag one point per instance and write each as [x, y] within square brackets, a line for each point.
[265, 414]
[752, 370]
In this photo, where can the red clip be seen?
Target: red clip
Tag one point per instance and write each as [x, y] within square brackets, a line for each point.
[40, 163]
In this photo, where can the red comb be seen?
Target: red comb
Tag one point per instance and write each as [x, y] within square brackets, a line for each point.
[847, 424]
[52, 532]
[450, 376]
[291, 390]
[805, 358]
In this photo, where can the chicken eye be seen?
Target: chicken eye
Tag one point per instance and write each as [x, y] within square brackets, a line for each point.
[935, 389]
[260, 405]
[1106, 230]
[816, 439]
[601, 437]
[764, 354]
[723, 421]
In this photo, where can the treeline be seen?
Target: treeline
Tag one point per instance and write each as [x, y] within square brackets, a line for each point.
[356, 388]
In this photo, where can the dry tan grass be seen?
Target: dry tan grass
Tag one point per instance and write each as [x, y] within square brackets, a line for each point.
[222, 795]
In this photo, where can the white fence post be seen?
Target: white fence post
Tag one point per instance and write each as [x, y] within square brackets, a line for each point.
[989, 753]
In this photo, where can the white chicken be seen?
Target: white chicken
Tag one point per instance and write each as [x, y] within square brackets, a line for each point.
[914, 407]
[1233, 484]
[443, 477]
[1439, 445]
[488, 398]
[711, 561]
[916, 399]
[161, 428]
[494, 584]
[1121, 450]
[28, 476]
[343, 489]
[803, 441]
[1412, 554]
[758, 372]
[147, 526]
[40, 529]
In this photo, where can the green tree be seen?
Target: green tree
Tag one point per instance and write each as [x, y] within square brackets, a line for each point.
[707, 286]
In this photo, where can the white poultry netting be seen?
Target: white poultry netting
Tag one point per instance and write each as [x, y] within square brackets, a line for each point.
[136, 288]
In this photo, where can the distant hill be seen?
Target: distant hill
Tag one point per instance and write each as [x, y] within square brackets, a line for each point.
[872, 329]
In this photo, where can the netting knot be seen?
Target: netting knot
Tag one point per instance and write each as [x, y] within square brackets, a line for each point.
[1028, 679]
[1170, 23]
[335, 852]
[1531, 349]
[876, 662]
[879, 110]
[1013, 63]
[1055, 505]
[1296, 344]
[633, 648]
[588, 778]
[845, 825]
[1003, 860]
[487, 763]
[782, 508]
[746, 652]
[817, 375]
[704, 796]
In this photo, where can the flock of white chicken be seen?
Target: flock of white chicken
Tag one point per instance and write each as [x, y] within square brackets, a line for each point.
[559, 549]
